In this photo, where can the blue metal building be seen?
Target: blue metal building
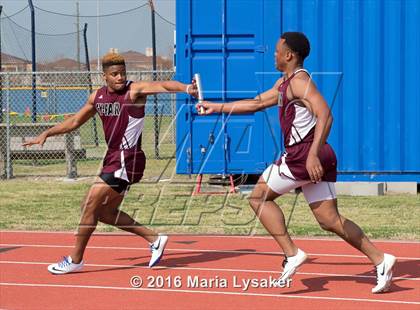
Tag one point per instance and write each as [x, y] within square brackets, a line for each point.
[365, 59]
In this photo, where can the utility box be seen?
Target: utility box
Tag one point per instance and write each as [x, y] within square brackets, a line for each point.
[234, 53]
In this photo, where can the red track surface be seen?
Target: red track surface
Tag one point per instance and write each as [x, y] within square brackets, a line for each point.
[334, 277]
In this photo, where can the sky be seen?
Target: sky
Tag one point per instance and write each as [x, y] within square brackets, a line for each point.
[125, 31]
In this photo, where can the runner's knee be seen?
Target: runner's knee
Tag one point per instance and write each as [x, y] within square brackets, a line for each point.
[332, 224]
[90, 208]
[108, 215]
[254, 203]
[257, 198]
[327, 226]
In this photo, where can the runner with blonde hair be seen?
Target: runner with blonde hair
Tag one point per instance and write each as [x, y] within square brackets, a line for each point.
[121, 106]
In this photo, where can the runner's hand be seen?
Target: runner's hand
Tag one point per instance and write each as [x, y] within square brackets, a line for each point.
[208, 107]
[192, 89]
[314, 168]
[38, 140]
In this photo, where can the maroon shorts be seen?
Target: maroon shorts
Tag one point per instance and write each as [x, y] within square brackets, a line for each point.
[116, 184]
[125, 164]
[295, 159]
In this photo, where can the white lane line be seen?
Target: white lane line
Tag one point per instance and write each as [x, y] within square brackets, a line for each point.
[204, 236]
[189, 250]
[210, 292]
[212, 269]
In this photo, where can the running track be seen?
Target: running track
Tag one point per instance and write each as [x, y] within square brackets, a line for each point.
[334, 277]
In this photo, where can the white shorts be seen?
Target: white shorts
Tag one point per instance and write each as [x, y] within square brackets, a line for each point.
[313, 192]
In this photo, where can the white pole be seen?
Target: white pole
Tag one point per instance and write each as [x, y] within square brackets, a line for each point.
[97, 33]
[78, 35]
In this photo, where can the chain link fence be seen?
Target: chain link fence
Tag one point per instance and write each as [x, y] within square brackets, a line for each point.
[62, 45]
[28, 110]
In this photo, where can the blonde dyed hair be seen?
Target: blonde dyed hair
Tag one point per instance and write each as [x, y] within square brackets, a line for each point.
[112, 59]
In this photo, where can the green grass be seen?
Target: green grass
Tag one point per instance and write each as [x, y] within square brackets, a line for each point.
[39, 198]
[53, 204]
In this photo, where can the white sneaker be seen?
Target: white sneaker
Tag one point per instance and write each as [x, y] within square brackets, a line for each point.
[291, 264]
[157, 249]
[384, 274]
[65, 266]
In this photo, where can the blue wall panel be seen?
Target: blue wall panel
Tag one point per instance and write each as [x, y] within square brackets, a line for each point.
[229, 56]
[364, 59]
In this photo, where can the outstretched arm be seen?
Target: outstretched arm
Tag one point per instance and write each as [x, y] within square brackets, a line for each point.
[70, 124]
[260, 102]
[149, 88]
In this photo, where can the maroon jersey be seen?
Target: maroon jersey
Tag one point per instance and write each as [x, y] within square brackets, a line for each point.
[298, 128]
[123, 124]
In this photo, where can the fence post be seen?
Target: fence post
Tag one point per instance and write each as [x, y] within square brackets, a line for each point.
[95, 130]
[9, 168]
[70, 155]
[155, 101]
[31, 6]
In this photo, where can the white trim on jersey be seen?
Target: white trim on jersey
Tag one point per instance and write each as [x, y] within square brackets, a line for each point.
[132, 132]
[129, 140]
[302, 69]
[302, 124]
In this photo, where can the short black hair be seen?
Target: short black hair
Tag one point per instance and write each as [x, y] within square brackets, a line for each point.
[298, 43]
